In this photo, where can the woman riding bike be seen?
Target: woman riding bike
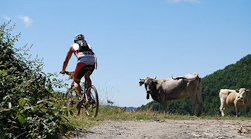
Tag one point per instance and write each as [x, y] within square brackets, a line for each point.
[86, 63]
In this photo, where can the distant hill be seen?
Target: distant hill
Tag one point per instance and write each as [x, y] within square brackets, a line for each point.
[128, 109]
[233, 76]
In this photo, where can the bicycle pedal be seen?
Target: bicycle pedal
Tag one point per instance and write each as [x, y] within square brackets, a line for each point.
[80, 104]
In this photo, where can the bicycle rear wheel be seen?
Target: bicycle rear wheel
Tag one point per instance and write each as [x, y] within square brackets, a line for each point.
[91, 108]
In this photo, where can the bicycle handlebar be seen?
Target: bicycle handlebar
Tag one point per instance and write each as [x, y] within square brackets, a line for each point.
[70, 73]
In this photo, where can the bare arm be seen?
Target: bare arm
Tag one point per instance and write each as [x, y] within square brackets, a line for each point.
[66, 61]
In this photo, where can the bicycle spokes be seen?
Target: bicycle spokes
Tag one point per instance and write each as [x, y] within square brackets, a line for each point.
[91, 106]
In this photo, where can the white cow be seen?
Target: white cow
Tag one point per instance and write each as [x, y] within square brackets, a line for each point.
[233, 98]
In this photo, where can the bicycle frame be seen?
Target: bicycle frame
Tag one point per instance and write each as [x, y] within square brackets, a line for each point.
[72, 84]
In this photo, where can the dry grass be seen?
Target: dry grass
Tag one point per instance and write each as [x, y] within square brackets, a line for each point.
[107, 113]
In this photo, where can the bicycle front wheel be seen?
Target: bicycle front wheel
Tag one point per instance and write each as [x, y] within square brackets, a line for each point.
[91, 108]
[71, 99]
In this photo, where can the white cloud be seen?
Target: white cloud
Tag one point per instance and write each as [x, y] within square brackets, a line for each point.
[6, 17]
[176, 1]
[27, 21]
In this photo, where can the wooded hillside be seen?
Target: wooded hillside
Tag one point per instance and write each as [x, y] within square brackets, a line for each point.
[233, 76]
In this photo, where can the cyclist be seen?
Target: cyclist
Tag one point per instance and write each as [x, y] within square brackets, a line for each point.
[86, 62]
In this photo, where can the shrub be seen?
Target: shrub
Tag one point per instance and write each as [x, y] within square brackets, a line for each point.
[29, 105]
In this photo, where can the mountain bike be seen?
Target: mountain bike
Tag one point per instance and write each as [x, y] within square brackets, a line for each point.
[91, 106]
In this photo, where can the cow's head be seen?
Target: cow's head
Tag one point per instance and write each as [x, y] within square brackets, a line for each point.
[141, 82]
[150, 85]
[242, 93]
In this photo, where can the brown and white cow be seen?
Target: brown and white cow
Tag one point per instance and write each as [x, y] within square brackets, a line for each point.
[163, 90]
[233, 98]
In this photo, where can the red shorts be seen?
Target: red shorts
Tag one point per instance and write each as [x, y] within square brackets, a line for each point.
[81, 69]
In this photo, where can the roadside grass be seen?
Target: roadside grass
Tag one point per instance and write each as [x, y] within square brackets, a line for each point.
[107, 113]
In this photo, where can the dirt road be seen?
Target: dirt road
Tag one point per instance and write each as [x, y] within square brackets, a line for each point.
[171, 129]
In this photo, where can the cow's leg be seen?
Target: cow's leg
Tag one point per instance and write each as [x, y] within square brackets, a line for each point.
[199, 102]
[193, 107]
[237, 110]
[164, 106]
[236, 107]
[163, 103]
[223, 106]
[193, 101]
[199, 98]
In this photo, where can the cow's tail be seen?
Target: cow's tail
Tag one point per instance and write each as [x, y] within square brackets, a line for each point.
[199, 87]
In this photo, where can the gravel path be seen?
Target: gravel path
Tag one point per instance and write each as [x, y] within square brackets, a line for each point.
[171, 129]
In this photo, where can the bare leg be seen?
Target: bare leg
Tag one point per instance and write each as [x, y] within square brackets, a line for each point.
[77, 87]
[88, 83]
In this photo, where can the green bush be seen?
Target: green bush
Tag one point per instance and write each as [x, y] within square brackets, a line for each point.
[30, 107]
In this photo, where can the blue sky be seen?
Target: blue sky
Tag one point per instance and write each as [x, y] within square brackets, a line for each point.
[134, 38]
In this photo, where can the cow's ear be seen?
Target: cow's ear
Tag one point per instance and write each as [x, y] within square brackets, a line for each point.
[237, 91]
[247, 91]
